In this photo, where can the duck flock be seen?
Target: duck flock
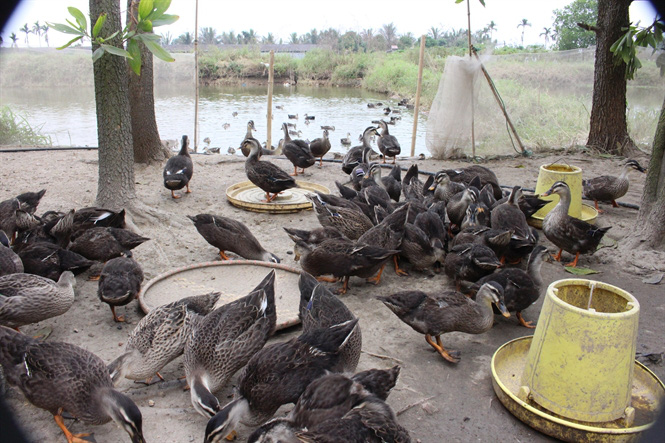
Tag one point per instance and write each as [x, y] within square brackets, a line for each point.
[459, 222]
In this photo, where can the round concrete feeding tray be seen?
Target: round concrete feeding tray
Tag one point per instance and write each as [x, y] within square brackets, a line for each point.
[233, 278]
[246, 195]
[577, 379]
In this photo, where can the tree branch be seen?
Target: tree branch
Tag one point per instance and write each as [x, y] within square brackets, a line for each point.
[588, 27]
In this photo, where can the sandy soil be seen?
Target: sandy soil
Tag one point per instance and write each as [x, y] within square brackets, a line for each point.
[435, 400]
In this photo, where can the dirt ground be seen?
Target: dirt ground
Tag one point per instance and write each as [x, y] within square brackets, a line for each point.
[435, 400]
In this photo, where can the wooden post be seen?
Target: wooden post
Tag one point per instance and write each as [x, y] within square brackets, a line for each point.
[196, 77]
[473, 132]
[416, 108]
[270, 84]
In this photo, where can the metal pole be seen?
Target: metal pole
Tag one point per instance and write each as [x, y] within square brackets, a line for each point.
[416, 108]
[473, 132]
[196, 80]
[270, 84]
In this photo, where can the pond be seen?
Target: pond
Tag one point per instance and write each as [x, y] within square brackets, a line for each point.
[68, 115]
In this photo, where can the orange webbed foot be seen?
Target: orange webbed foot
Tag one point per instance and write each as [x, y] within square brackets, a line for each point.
[526, 324]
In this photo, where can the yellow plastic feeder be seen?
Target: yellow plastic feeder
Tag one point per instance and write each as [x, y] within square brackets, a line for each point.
[572, 176]
[580, 364]
[577, 379]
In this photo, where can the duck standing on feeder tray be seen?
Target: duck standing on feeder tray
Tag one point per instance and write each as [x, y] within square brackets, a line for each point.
[297, 151]
[265, 175]
[568, 233]
[179, 169]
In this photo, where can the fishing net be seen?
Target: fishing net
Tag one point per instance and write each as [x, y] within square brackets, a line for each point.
[450, 117]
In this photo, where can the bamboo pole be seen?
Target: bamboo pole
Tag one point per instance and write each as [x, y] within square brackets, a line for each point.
[421, 61]
[196, 78]
[473, 132]
[270, 85]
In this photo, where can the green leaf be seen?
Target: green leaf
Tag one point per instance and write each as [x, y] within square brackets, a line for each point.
[158, 51]
[145, 26]
[112, 35]
[165, 19]
[65, 29]
[148, 37]
[482, 2]
[160, 8]
[135, 51]
[116, 51]
[96, 55]
[145, 8]
[458, 1]
[72, 41]
[98, 25]
[78, 15]
[580, 271]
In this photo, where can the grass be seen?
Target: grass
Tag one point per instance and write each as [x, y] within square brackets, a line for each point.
[15, 130]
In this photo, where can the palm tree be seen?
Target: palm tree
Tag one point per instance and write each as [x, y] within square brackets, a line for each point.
[524, 24]
[293, 38]
[45, 29]
[14, 38]
[547, 33]
[435, 33]
[167, 39]
[209, 36]
[184, 39]
[269, 39]
[27, 31]
[389, 32]
[491, 28]
[228, 38]
[37, 30]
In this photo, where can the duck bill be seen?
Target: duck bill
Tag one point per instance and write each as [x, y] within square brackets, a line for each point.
[431, 188]
[546, 193]
[503, 309]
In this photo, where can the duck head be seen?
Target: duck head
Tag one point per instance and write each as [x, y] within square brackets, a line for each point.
[493, 291]
[225, 421]
[124, 412]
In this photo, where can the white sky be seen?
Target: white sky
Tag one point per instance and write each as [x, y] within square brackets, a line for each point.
[287, 16]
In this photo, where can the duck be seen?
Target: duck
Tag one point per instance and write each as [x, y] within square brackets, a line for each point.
[297, 151]
[50, 260]
[391, 183]
[448, 311]
[310, 117]
[477, 214]
[316, 235]
[529, 204]
[179, 169]
[341, 258]
[94, 216]
[458, 204]
[320, 146]
[293, 116]
[27, 201]
[521, 288]
[160, 337]
[485, 175]
[388, 235]
[28, 298]
[508, 216]
[388, 144]
[10, 262]
[355, 155]
[224, 340]
[420, 249]
[327, 128]
[277, 375]
[328, 398]
[227, 234]
[104, 243]
[494, 239]
[120, 282]
[320, 308]
[58, 377]
[346, 141]
[265, 175]
[373, 190]
[352, 223]
[372, 420]
[470, 261]
[609, 187]
[412, 187]
[444, 188]
[568, 233]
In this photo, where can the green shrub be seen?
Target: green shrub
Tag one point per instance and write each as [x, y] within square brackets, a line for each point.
[15, 130]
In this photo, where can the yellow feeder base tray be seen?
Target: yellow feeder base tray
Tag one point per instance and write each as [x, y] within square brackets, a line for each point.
[246, 195]
[589, 214]
[507, 367]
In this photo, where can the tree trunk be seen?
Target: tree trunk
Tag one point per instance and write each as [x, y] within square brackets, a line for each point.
[147, 143]
[115, 188]
[650, 229]
[608, 130]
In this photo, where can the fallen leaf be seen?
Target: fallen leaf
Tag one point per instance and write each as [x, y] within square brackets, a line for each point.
[654, 279]
[580, 271]
[607, 242]
[520, 166]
